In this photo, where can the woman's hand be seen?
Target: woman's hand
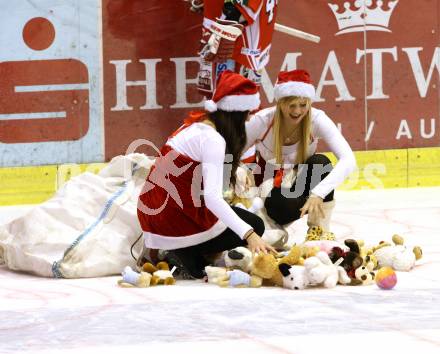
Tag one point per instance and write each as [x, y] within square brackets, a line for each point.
[256, 244]
[313, 205]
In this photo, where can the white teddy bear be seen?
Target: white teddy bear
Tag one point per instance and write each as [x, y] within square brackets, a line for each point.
[319, 270]
[398, 256]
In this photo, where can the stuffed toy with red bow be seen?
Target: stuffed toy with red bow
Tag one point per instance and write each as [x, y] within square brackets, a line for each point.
[351, 258]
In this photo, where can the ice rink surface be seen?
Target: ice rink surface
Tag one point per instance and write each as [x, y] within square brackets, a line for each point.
[96, 316]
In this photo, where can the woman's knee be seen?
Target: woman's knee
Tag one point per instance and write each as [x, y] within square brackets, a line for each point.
[274, 201]
[283, 210]
[281, 217]
[318, 159]
[318, 167]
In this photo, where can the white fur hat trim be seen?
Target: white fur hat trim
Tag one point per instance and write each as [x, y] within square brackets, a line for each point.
[234, 103]
[294, 88]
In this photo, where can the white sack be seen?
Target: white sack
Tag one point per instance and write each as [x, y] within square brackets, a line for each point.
[86, 229]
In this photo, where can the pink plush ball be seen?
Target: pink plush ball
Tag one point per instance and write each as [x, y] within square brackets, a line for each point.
[386, 278]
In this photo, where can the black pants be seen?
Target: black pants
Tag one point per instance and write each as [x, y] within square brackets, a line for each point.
[283, 205]
[193, 257]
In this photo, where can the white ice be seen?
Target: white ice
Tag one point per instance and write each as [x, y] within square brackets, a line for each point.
[40, 315]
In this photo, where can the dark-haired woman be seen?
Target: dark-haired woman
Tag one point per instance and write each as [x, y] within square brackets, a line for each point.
[181, 207]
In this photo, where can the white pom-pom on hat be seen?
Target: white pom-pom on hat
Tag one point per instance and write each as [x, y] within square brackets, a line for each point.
[234, 93]
[210, 106]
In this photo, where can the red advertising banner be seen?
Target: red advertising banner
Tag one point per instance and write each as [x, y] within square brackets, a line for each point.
[150, 67]
[376, 72]
[375, 68]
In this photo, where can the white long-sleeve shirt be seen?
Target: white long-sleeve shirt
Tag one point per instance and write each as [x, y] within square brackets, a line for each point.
[204, 144]
[322, 128]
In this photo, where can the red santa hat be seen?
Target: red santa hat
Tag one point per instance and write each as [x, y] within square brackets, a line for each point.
[234, 93]
[294, 83]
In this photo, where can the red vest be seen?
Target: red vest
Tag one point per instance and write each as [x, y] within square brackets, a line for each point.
[170, 204]
[182, 211]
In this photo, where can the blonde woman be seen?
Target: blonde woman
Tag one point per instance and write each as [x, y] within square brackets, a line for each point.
[286, 137]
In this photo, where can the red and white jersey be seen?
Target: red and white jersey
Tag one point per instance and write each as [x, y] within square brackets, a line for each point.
[252, 48]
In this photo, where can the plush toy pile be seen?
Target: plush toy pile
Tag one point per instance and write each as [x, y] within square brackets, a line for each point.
[320, 260]
[317, 262]
[314, 263]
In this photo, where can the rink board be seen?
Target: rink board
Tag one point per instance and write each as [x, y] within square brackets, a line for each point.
[376, 169]
[99, 75]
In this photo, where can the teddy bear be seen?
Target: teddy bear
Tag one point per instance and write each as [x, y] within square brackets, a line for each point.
[131, 279]
[381, 244]
[397, 256]
[239, 258]
[294, 276]
[319, 270]
[308, 251]
[305, 252]
[161, 273]
[265, 265]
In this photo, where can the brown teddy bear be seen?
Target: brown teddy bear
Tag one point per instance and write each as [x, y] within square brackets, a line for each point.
[161, 273]
[307, 251]
[266, 265]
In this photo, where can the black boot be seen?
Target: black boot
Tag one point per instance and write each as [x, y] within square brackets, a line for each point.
[188, 263]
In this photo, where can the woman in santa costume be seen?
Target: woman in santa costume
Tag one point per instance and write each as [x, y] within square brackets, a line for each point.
[181, 207]
[286, 136]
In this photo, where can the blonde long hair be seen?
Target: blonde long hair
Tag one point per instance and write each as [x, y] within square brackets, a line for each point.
[305, 130]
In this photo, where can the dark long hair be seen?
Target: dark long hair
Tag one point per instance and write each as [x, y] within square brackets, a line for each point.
[231, 126]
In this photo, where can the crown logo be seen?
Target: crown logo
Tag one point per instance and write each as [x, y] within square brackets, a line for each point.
[364, 17]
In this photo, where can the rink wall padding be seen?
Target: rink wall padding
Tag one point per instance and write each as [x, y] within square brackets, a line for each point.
[398, 168]
[27, 185]
[126, 70]
[36, 184]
